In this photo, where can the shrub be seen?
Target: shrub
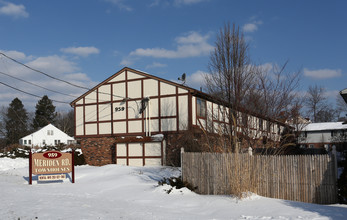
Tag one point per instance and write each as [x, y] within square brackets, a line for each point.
[176, 182]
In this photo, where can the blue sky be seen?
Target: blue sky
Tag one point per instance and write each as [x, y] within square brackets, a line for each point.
[85, 42]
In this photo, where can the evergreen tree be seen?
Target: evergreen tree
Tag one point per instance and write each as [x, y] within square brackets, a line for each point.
[45, 113]
[16, 122]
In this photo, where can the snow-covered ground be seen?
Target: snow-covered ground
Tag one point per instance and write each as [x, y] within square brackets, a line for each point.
[120, 192]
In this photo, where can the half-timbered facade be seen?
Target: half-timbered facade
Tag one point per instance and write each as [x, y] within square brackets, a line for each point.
[126, 118]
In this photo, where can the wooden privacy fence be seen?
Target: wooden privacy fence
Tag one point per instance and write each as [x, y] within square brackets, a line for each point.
[305, 178]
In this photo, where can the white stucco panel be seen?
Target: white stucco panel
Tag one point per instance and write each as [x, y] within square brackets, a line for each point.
[105, 112]
[79, 120]
[104, 93]
[119, 77]
[132, 75]
[168, 106]
[168, 124]
[183, 112]
[118, 91]
[119, 127]
[194, 110]
[167, 89]
[121, 161]
[121, 150]
[153, 108]
[105, 128]
[91, 129]
[150, 87]
[135, 126]
[153, 149]
[90, 98]
[180, 91]
[134, 89]
[90, 114]
[152, 162]
[134, 109]
[80, 102]
[136, 162]
[119, 111]
[135, 149]
[154, 125]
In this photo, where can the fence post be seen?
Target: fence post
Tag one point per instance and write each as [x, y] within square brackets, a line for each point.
[250, 153]
[334, 157]
[182, 152]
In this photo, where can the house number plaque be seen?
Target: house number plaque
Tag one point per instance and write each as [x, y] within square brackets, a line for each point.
[119, 109]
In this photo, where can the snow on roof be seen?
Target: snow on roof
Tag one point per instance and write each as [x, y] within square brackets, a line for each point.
[343, 93]
[324, 126]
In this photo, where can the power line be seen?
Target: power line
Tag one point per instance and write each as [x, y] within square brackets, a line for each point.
[28, 93]
[55, 78]
[36, 85]
[38, 71]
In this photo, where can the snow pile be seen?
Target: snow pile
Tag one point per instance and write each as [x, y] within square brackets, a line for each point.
[10, 164]
[121, 192]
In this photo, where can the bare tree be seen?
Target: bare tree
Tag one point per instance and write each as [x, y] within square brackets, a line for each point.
[318, 106]
[247, 88]
[231, 75]
[65, 122]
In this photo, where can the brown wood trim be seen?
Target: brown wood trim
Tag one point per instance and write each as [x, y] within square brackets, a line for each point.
[143, 118]
[75, 125]
[130, 119]
[115, 152]
[84, 116]
[162, 152]
[111, 90]
[126, 80]
[143, 154]
[127, 157]
[212, 124]
[138, 157]
[190, 112]
[125, 134]
[126, 103]
[97, 111]
[177, 110]
[135, 99]
[159, 107]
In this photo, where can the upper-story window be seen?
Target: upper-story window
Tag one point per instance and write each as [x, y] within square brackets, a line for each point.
[49, 132]
[244, 119]
[201, 108]
[268, 126]
[260, 121]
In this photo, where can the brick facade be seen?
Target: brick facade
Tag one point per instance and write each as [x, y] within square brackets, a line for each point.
[98, 151]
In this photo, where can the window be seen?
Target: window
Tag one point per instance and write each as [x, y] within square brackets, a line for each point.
[268, 126]
[44, 142]
[25, 141]
[260, 122]
[201, 108]
[56, 142]
[278, 129]
[29, 141]
[50, 132]
[245, 120]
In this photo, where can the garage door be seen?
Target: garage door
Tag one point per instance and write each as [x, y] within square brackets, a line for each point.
[139, 154]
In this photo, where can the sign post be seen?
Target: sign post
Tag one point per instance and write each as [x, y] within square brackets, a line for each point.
[51, 162]
[30, 168]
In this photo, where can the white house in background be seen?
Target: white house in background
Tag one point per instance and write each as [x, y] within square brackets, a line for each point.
[318, 135]
[46, 136]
